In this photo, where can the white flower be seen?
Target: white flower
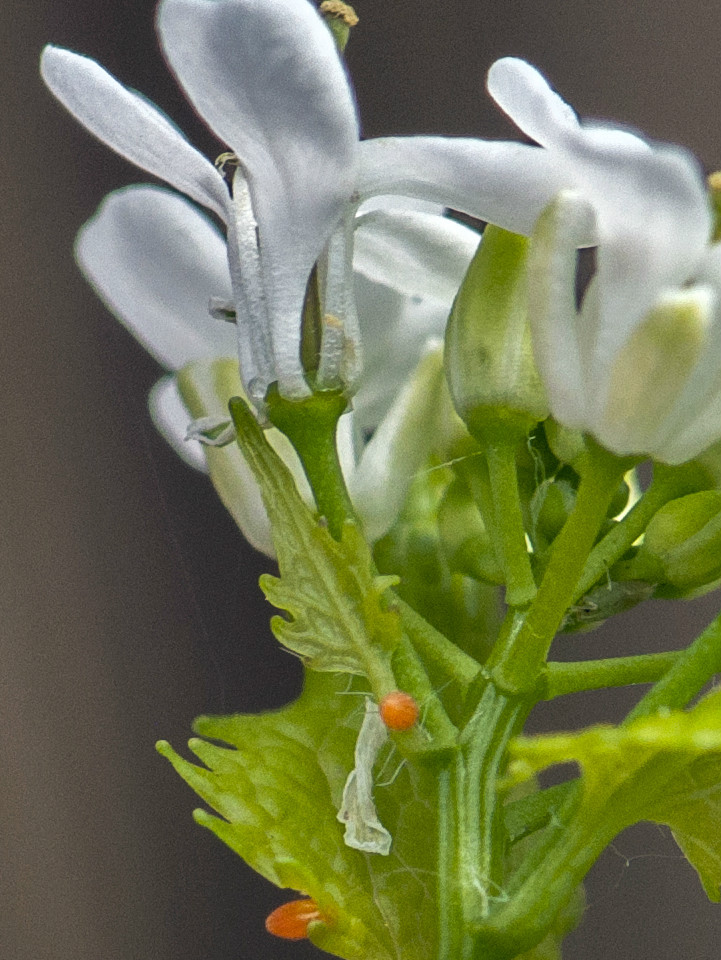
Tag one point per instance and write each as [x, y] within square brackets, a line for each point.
[154, 258]
[267, 80]
[639, 365]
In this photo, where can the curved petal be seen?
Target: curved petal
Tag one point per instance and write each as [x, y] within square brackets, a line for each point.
[156, 261]
[132, 126]
[523, 93]
[417, 254]
[268, 80]
[171, 419]
[552, 306]
[508, 184]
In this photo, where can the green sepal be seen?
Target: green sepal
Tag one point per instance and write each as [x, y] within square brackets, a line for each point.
[665, 768]
[275, 781]
[340, 618]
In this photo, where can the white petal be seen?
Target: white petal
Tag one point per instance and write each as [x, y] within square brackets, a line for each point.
[394, 331]
[268, 80]
[508, 184]
[653, 226]
[652, 370]
[400, 446]
[417, 254]
[171, 418]
[524, 94]
[156, 261]
[132, 126]
[703, 384]
[697, 435]
[393, 204]
[552, 305]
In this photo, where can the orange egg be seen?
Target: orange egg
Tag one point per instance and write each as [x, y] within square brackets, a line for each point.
[290, 920]
[398, 710]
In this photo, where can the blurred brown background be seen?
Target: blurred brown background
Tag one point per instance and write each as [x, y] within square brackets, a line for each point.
[129, 601]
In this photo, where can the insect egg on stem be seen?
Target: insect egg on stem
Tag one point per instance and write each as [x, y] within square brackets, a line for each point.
[398, 710]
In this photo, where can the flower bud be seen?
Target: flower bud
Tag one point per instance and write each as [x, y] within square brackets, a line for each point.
[568, 445]
[682, 547]
[489, 361]
[464, 538]
[551, 505]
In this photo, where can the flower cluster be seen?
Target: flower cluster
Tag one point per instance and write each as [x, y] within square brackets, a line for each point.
[306, 201]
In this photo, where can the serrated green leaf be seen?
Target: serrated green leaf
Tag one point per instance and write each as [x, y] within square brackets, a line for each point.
[665, 768]
[339, 618]
[277, 788]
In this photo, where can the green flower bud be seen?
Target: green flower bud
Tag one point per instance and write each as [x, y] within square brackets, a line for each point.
[488, 355]
[464, 538]
[681, 550]
[551, 504]
[568, 445]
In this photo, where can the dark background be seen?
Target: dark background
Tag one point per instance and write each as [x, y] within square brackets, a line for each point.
[129, 601]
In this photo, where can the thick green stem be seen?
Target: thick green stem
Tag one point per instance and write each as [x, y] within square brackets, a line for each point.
[310, 425]
[563, 678]
[471, 833]
[518, 659]
[668, 483]
[689, 674]
[503, 474]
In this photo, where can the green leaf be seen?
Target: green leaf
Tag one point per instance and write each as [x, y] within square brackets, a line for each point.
[339, 618]
[665, 768]
[277, 788]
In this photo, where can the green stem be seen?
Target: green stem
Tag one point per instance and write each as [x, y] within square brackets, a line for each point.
[689, 674]
[503, 474]
[563, 678]
[454, 939]
[518, 659]
[434, 648]
[471, 832]
[668, 483]
[474, 471]
[310, 425]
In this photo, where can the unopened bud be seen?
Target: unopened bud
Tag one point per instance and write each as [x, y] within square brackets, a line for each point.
[682, 547]
[489, 359]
